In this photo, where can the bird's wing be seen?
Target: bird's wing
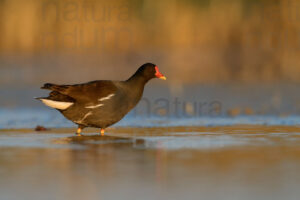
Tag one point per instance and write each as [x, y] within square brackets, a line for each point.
[91, 92]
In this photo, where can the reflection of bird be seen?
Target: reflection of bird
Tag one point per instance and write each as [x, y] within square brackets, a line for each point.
[100, 103]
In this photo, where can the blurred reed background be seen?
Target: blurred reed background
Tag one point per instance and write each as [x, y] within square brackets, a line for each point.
[192, 40]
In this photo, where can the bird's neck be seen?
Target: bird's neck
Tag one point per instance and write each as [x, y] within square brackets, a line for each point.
[136, 83]
[137, 80]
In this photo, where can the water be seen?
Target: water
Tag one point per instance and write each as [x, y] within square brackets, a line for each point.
[236, 162]
[32, 117]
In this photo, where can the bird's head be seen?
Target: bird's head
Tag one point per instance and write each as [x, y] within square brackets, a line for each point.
[150, 71]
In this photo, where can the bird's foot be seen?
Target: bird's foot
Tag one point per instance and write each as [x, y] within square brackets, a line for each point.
[78, 132]
[102, 132]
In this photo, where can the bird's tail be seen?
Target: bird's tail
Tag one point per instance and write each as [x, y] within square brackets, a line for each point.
[48, 86]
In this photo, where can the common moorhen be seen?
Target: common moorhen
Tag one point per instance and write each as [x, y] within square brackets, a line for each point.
[100, 103]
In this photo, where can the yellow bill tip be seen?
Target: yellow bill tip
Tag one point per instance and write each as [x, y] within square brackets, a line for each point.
[163, 78]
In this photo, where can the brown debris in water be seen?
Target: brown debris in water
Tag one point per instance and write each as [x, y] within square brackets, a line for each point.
[40, 128]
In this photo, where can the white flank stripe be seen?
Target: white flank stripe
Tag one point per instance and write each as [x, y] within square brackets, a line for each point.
[106, 98]
[102, 99]
[85, 116]
[57, 104]
[96, 106]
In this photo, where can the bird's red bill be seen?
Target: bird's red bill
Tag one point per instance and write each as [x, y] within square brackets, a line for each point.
[159, 75]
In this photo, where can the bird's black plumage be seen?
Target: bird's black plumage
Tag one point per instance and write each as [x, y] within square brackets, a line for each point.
[100, 103]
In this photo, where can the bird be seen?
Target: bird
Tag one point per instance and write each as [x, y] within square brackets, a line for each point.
[99, 103]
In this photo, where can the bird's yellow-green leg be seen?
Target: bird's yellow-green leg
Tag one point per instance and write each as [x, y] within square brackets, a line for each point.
[102, 132]
[78, 132]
